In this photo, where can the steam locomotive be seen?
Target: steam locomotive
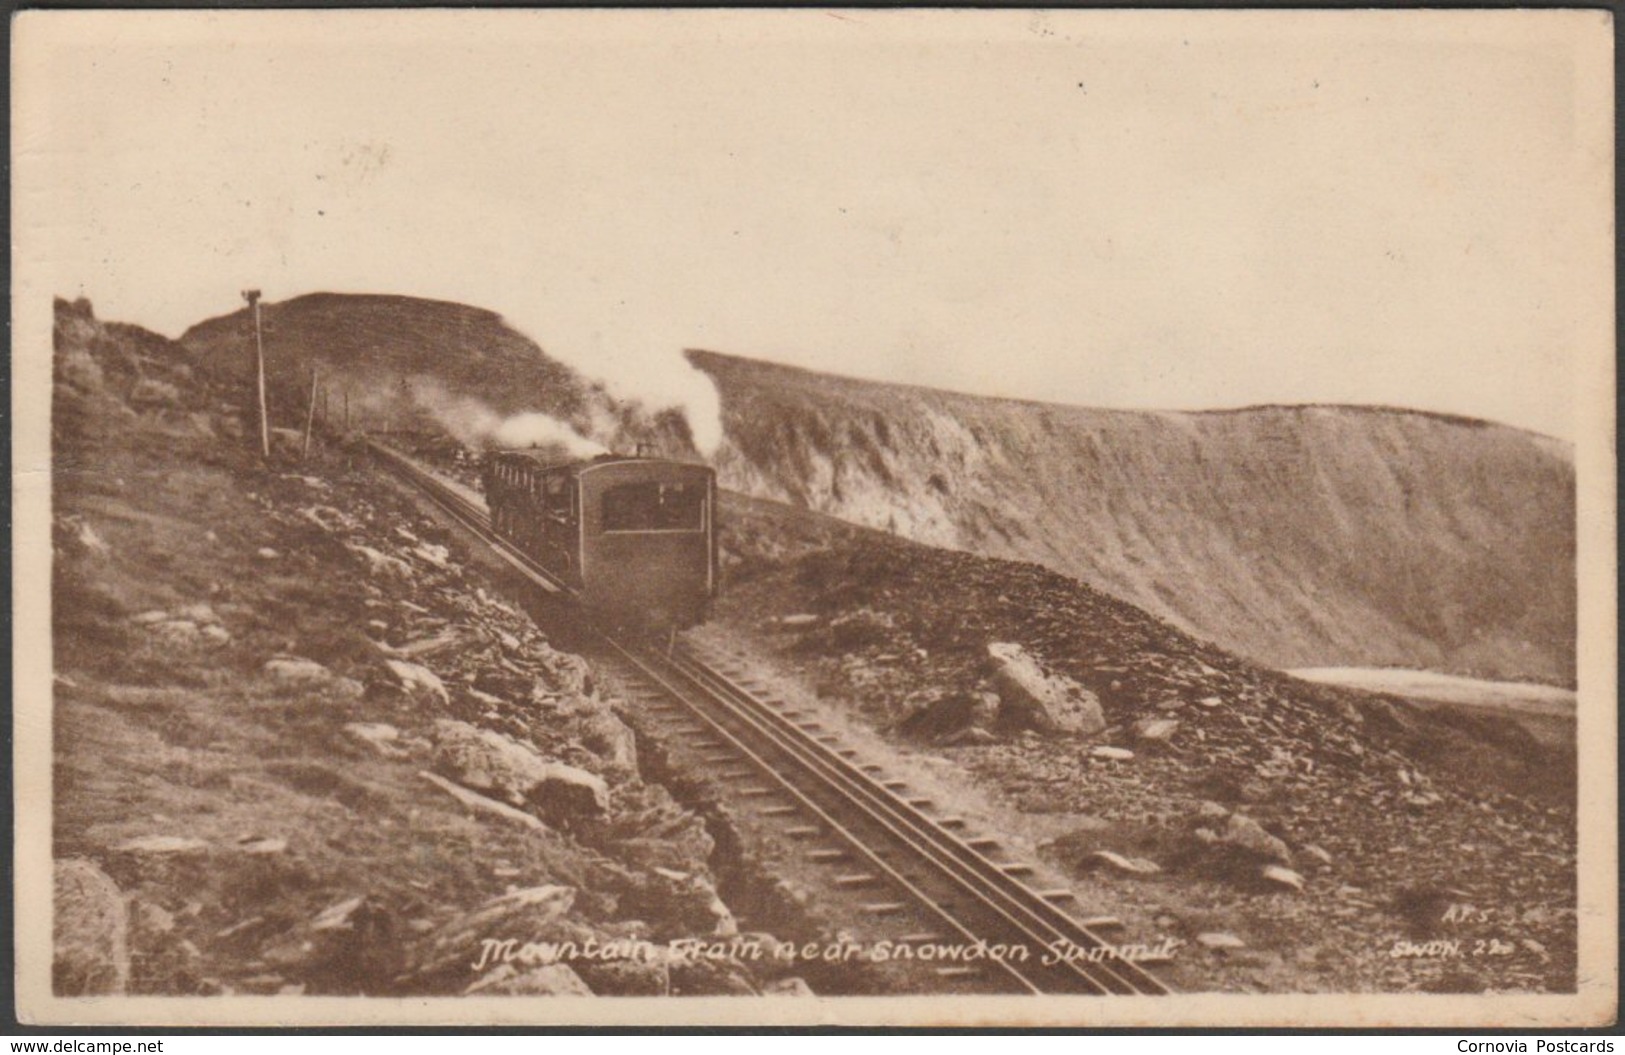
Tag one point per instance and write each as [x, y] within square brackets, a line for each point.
[634, 537]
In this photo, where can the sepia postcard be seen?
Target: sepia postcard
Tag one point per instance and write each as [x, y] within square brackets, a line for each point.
[814, 517]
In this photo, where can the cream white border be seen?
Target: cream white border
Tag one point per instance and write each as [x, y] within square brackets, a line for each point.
[35, 34]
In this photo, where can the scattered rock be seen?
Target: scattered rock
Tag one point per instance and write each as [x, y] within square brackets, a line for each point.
[175, 632]
[1247, 834]
[1030, 697]
[152, 393]
[792, 986]
[149, 917]
[90, 924]
[1155, 729]
[482, 804]
[428, 645]
[296, 670]
[1218, 939]
[337, 915]
[554, 979]
[970, 735]
[88, 540]
[1132, 865]
[382, 565]
[610, 739]
[627, 977]
[1283, 876]
[417, 680]
[950, 717]
[378, 736]
[266, 553]
[490, 762]
[1318, 853]
[162, 844]
[1118, 754]
[260, 847]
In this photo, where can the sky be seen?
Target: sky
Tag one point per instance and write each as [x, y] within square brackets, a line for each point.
[1120, 209]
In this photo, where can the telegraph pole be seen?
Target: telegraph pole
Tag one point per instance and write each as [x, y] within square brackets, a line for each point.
[253, 298]
[310, 416]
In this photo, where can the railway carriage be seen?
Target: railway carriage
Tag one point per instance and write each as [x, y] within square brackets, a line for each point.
[634, 537]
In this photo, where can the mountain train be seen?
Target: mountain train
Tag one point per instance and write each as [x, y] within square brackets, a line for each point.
[634, 537]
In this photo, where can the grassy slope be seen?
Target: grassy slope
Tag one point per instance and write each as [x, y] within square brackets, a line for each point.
[1303, 536]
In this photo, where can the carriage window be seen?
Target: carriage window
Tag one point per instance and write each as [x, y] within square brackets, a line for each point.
[654, 507]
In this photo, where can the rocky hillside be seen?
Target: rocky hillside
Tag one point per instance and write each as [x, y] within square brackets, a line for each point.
[1297, 837]
[1296, 536]
[299, 746]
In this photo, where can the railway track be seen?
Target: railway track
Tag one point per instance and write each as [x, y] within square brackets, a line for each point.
[1018, 938]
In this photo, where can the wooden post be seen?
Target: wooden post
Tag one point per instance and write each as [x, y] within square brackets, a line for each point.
[253, 298]
[347, 409]
[310, 416]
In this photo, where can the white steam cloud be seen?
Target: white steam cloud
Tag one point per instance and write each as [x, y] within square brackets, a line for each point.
[637, 361]
[539, 430]
[475, 425]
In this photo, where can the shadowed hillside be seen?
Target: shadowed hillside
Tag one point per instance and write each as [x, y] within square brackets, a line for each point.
[402, 358]
[1296, 536]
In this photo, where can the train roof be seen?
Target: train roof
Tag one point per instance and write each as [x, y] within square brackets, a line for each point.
[576, 467]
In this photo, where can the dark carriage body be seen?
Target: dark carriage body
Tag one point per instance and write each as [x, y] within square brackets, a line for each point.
[634, 537]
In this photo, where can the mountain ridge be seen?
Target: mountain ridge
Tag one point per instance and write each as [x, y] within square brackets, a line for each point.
[1387, 537]
[1298, 536]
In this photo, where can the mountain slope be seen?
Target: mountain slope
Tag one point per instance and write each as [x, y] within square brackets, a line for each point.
[1296, 536]
[404, 361]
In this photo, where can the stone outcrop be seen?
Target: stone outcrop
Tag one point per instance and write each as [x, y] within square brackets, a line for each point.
[507, 770]
[1032, 698]
[90, 932]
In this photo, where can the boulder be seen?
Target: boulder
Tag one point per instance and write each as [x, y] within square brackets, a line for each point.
[708, 977]
[627, 977]
[951, 716]
[296, 670]
[610, 739]
[1028, 696]
[1283, 876]
[508, 770]
[1155, 729]
[382, 565]
[1247, 834]
[91, 954]
[419, 680]
[563, 673]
